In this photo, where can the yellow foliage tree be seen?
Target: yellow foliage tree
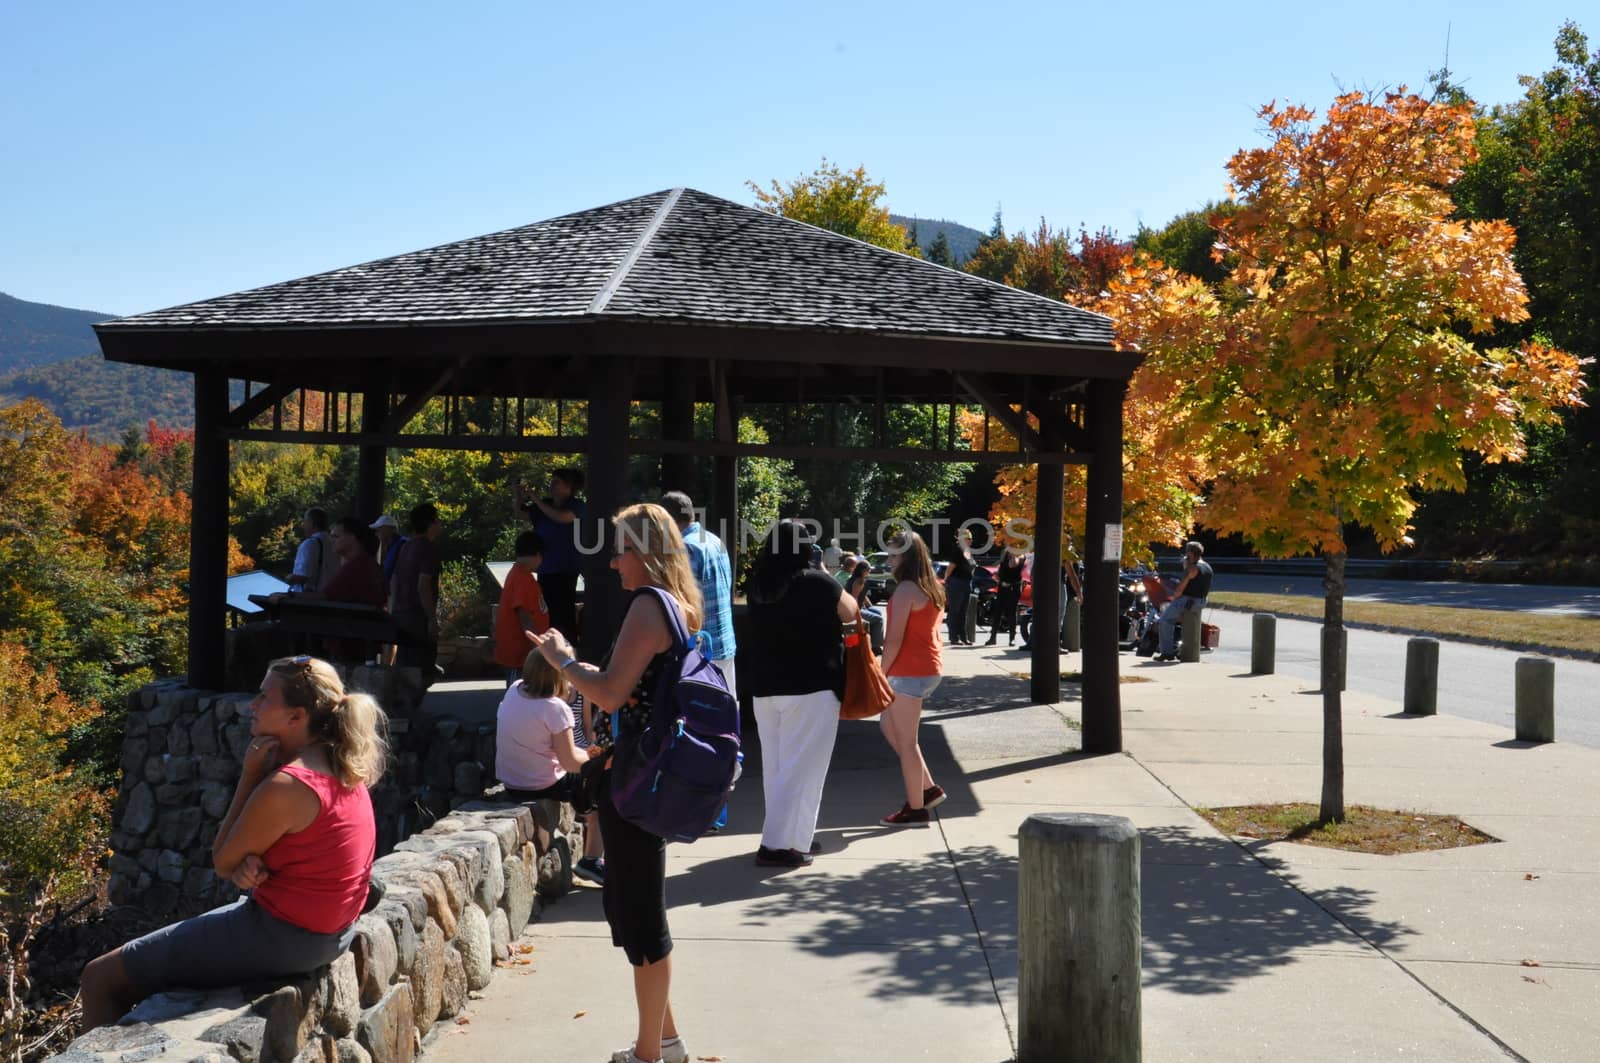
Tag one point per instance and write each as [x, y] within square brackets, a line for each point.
[843, 201]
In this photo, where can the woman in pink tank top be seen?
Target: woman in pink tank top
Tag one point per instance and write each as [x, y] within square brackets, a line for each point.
[299, 836]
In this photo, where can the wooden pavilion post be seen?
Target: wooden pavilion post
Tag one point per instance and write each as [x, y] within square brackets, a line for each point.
[1102, 695]
[610, 392]
[1045, 637]
[372, 458]
[724, 517]
[677, 423]
[208, 533]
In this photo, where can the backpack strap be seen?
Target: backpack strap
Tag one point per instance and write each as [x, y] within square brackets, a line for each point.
[680, 634]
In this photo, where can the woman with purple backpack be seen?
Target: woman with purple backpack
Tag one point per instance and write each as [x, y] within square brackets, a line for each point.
[648, 554]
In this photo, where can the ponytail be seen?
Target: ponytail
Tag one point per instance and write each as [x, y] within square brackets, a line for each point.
[358, 736]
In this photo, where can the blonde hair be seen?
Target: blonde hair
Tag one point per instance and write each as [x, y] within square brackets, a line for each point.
[353, 725]
[654, 536]
[915, 565]
[541, 679]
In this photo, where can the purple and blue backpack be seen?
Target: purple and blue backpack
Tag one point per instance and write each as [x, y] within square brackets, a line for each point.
[677, 778]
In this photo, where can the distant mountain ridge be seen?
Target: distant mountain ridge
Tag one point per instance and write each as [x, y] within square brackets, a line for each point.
[51, 354]
[33, 334]
[963, 239]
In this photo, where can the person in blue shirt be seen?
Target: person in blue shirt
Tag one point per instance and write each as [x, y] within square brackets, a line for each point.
[708, 558]
[556, 519]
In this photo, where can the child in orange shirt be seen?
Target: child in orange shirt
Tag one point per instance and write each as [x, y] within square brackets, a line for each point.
[522, 608]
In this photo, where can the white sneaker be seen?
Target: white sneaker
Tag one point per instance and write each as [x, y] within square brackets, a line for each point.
[672, 1051]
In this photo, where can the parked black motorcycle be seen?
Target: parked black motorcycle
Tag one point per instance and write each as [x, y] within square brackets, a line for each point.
[1137, 614]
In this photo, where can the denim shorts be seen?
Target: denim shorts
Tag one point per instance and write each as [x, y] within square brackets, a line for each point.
[239, 942]
[914, 686]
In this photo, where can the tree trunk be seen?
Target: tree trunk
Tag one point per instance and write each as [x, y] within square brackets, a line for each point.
[1332, 810]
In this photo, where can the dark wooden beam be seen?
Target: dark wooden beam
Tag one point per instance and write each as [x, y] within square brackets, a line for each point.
[1045, 681]
[208, 533]
[974, 384]
[259, 403]
[677, 422]
[410, 406]
[610, 390]
[1102, 693]
[372, 458]
[724, 519]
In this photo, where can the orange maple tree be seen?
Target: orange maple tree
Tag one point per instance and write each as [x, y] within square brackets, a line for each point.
[1159, 490]
[1341, 364]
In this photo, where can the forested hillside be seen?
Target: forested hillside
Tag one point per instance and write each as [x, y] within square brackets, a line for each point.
[963, 240]
[103, 398]
[34, 334]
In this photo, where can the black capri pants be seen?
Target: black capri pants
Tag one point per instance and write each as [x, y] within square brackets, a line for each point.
[635, 891]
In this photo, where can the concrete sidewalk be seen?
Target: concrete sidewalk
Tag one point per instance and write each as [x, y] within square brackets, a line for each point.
[902, 943]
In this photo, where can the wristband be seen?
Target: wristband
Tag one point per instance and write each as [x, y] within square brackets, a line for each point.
[568, 663]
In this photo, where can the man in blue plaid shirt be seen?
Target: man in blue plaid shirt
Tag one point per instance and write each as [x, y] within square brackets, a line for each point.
[709, 560]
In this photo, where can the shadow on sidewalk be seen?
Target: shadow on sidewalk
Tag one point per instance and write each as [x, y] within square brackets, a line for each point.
[1210, 922]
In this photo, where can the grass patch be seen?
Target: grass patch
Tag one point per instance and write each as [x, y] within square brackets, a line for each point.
[1365, 829]
[1571, 635]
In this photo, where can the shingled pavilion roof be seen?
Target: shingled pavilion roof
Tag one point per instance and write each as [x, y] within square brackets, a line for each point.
[728, 275]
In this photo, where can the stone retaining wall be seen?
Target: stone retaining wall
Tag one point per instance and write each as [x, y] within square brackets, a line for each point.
[456, 897]
[181, 757]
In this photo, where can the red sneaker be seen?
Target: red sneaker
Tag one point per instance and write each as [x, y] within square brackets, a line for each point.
[933, 797]
[906, 817]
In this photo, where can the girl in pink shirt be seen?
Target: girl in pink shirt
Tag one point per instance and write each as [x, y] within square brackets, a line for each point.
[536, 755]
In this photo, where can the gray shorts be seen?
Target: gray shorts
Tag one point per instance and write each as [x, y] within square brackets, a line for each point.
[914, 686]
[236, 943]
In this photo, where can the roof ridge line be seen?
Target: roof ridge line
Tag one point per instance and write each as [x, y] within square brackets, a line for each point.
[603, 297]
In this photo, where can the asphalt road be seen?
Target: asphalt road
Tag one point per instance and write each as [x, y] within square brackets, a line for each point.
[1476, 682]
[1519, 597]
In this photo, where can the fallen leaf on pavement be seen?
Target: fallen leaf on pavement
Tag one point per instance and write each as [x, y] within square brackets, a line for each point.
[463, 1021]
[1530, 963]
[1529, 877]
[580, 1014]
[1535, 981]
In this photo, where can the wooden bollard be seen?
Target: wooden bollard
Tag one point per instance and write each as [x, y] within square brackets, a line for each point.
[971, 626]
[1189, 648]
[1263, 644]
[1078, 939]
[1335, 644]
[1422, 677]
[1536, 699]
[1072, 627]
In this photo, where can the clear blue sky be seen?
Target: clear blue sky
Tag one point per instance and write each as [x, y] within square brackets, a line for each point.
[158, 153]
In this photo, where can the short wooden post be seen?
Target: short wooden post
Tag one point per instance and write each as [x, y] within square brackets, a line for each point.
[1422, 677]
[1536, 699]
[972, 619]
[1078, 932]
[1072, 627]
[1189, 649]
[1263, 644]
[1337, 642]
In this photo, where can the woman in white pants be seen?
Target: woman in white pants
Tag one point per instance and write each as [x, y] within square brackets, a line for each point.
[795, 671]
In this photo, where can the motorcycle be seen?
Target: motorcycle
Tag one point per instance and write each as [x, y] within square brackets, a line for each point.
[1138, 614]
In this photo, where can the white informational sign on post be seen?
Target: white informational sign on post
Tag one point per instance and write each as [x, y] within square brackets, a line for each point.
[1113, 547]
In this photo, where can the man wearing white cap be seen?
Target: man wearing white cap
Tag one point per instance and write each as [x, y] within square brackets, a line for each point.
[389, 542]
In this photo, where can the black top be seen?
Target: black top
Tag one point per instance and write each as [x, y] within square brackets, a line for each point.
[960, 566]
[1010, 571]
[795, 645]
[633, 716]
[1200, 585]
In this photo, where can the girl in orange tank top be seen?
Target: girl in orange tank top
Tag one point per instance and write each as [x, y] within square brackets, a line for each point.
[914, 664]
